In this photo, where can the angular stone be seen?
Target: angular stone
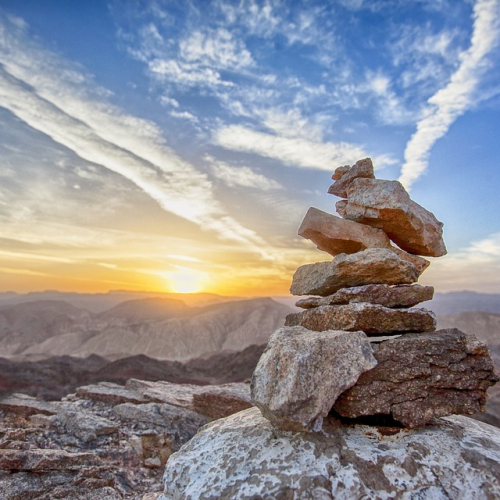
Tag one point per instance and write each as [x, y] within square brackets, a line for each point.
[423, 376]
[386, 205]
[22, 404]
[244, 457]
[336, 235]
[111, 393]
[301, 374]
[362, 168]
[41, 460]
[214, 401]
[340, 171]
[420, 263]
[373, 319]
[385, 295]
[84, 425]
[374, 265]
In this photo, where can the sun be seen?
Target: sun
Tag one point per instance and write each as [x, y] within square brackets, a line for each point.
[184, 280]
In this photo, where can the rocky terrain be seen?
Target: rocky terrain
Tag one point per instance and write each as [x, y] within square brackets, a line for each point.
[106, 441]
[155, 327]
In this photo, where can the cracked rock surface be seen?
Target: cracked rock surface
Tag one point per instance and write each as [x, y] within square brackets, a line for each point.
[245, 457]
[422, 376]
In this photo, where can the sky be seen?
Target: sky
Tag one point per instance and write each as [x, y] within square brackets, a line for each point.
[175, 146]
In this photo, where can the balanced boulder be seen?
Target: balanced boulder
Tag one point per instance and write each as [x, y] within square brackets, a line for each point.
[301, 374]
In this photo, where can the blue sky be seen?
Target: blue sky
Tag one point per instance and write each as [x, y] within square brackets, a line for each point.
[146, 144]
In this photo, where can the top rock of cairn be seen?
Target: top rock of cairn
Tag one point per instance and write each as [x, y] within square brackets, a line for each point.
[322, 359]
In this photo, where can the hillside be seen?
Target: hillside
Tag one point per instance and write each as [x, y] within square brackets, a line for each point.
[155, 327]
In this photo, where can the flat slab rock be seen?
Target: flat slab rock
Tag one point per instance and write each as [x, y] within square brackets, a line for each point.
[373, 319]
[385, 295]
[244, 457]
[386, 205]
[301, 373]
[336, 235]
[422, 376]
[371, 266]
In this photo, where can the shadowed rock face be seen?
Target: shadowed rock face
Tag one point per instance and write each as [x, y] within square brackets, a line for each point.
[422, 376]
[301, 374]
[243, 456]
[373, 319]
[386, 205]
[385, 295]
[375, 265]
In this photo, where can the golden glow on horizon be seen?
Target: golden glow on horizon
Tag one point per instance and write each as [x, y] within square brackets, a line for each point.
[184, 280]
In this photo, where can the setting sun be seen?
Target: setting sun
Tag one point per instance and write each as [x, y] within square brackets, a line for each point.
[184, 280]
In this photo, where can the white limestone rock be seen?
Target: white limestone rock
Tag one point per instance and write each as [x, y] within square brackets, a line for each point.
[244, 457]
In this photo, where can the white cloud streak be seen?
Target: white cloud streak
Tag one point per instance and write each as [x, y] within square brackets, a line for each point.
[51, 96]
[292, 151]
[457, 97]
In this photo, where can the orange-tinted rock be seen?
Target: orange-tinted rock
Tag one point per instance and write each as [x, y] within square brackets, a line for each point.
[374, 265]
[373, 319]
[336, 235]
[422, 376]
[385, 295]
[386, 205]
[362, 168]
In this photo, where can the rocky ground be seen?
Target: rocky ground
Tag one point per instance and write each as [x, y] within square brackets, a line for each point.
[106, 441]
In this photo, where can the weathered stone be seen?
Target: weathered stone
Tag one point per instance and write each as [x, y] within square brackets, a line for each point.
[336, 235]
[362, 168]
[244, 457]
[386, 205]
[373, 319]
[385, 295]
[423, 376]
[340, 171]
[83, 424]
[214, 401]
[40, 460]
[371, 266]
[420, 263]
[301, 374]
[109, 392]
[24, 405]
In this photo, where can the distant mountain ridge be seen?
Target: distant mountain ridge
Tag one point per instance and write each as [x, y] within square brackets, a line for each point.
[464, 301]
[160, 328]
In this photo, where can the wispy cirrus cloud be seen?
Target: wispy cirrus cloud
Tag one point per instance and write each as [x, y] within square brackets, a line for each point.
[451, 101]
[52, 96]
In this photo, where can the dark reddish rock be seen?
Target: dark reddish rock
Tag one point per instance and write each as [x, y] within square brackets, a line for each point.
[371, 266]
[361, 169]
[24, 405]
[422, 376]
[386, 205]
[373, 319]
[109, 392]
[385, 295]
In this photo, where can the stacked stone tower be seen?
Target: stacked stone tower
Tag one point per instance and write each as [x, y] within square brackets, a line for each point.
[360, 348]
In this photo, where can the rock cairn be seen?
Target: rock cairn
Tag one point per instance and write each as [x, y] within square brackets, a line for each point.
[335, 357]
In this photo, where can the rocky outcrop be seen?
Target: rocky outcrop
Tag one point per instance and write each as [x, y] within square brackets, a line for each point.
[106, 442]
[373, 319]
[386, 205]
[345, 175]
[420, 377]
[385, 295]
[374, 265]
[244, 456]
[297, 360]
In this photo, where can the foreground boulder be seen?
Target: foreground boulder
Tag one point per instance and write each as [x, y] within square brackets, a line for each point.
[386, 205]
[374, 265]
[373, 319]
[422, 376]
[385, 295]
[301, 374]
[245, 457]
